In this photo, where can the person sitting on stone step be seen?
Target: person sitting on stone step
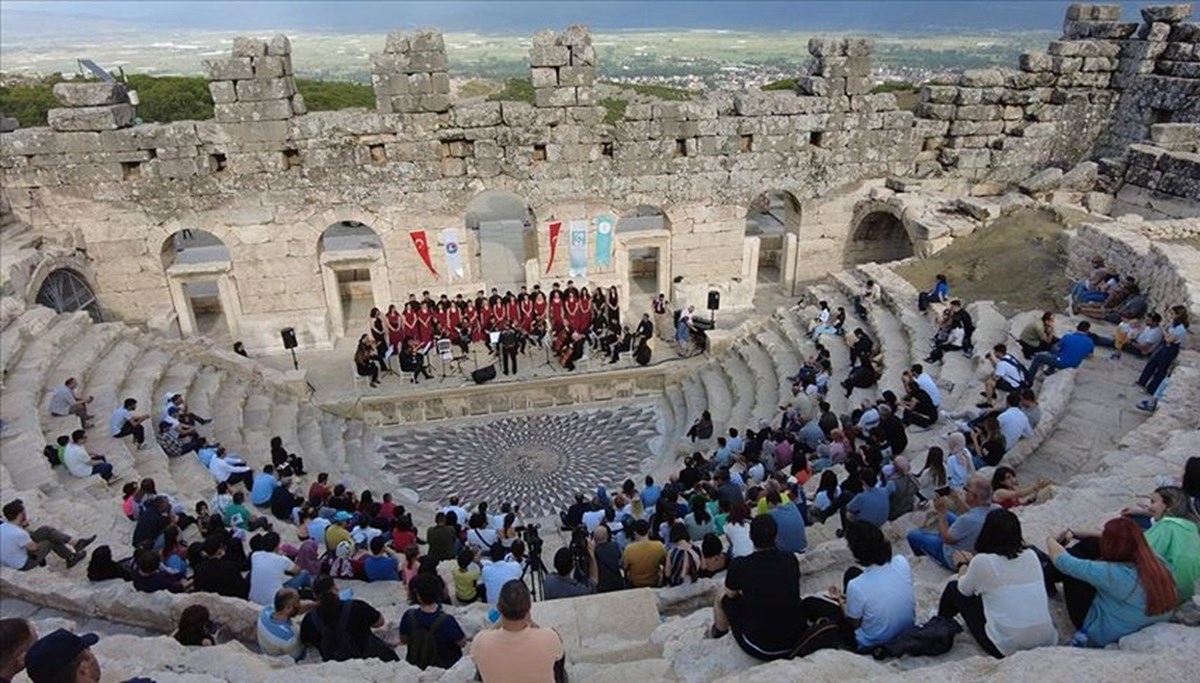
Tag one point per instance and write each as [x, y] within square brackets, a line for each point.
[125, 422]
[82, 464]
[23, 550]
[65, 400]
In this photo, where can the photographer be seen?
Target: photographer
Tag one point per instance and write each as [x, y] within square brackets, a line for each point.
[561, 584]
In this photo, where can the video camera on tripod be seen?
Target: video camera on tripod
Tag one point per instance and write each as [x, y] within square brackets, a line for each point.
[534, 564]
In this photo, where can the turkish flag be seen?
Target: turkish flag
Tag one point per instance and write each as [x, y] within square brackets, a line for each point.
[422, 244]
[555, 229]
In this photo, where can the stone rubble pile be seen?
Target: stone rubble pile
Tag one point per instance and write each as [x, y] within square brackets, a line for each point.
[410, 75]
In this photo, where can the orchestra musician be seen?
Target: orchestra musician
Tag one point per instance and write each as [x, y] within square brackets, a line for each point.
[616, 348]
[645, 329]
[510, 340]
[412, 360]
[572, 351]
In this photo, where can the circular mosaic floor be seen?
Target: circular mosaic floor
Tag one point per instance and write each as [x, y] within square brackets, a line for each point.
[539, 461]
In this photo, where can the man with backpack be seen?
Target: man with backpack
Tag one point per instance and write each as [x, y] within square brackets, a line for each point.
[433, 637]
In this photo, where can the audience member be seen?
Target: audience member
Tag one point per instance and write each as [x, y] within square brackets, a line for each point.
[23, 550]
[432, 637]
[517, 650]
[954, 533]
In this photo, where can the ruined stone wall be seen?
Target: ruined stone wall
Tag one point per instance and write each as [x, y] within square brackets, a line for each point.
[268, 178]
[1168, 273]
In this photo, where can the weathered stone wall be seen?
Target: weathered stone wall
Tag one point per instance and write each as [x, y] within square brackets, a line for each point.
[1168, 273]
[267, 178]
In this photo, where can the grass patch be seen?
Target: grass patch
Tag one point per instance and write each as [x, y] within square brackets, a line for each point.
[782, 84]
[515, 90]
[662, 92]
[614, 109]
[1019, 262]
[334, 95]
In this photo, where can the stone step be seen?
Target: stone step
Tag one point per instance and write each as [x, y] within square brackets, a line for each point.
[665, 423]
[308, 433]
[839, 353]
[228, 406]
[17, 335]
[889, 336]
[742, 385]
[142, 384]
[718, 396]
[964, 376]
[766, 381]
[900, 297]
[785, 356]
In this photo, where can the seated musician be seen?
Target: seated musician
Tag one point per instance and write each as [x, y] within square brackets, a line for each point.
[573, 351]
[641, 354]
[645, 329]
[617, 347]
[537, 333]
[413, 361]
[462, 337]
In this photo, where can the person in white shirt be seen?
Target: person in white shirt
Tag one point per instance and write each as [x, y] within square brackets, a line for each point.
[460, 513]
[230, 469]
[64, 401]
[737, 530]
[1014, 423]
[876, 603]
[927, 383]
[502, 568]
[82, 464]
[592, 518]
[1001, 591]
[479, 535]
[125, 422]
[1007, 374]
[269, 571]
[22, 550]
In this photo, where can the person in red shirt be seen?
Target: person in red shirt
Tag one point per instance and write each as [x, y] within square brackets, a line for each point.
[319, 491]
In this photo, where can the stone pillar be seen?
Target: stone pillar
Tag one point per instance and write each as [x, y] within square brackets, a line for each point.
[256, 83]
[91, 106]
[842, 67]
[564, 68]
[410, 74]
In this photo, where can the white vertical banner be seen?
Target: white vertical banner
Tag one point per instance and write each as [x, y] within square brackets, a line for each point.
[453, 249]
[577, 249]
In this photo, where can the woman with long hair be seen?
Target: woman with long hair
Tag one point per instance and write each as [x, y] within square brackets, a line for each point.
[1175, 537]
[959, 463]
[737, 530]
[1160, 362]
[1126, 588]
[933, 475]
[828, 497]
[392, 324]
[1008, 493]
[196, 627]
[683, 562]
[1000, 591]
[699, 522]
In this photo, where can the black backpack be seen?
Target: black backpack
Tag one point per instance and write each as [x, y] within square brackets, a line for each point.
[934, 637]
[336, 643]
[422, 641]
[50, 452]
[822, 635]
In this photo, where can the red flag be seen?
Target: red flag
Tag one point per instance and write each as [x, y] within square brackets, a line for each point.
[422, 245]
[555, 229]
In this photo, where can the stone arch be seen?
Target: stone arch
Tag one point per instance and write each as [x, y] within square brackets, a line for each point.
[353, 267]
[198, 267]
[67, 290]
[878, 232]
[506, 228]
[74, 261]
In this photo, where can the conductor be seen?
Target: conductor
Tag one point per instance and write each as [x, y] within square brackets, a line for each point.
[510, 341]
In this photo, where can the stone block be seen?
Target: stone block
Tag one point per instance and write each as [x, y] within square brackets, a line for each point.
[79, 143]
[969, 96]
[554, 97]
[248, 47]
[577, 76]
[827, 47]
[108, 117]
[982, 78]
[814, 86]
[1182, 52]
[222, 92]
[576, 35]
[419, 84]
[859, 85]
[389, 84]
[939, 94]
[549, 55]
[240, 112]
[1179, 185]
[939, 112]
[1065, 65]
[859, 47]
[260, 89]
[1099, 64]
[979, 112]
[1185, 33]
[299, 108]
[1035, 61]
[272, 66]
[1175, 134]
[1171, 14]
[426, 61]
[964, 127]
[1092, 12]
[477, 115]
[544, 77]
[1081, 178]
[90, 94]
[585, 96]
[233, 69]
[388, 62]
[396, 43]
[1046, 180]
[428, 40]
[583, 55]
[435, 102]
[439, 83]
[1098, 202]
[1104, 30]
[279, 46]
[1157, 32]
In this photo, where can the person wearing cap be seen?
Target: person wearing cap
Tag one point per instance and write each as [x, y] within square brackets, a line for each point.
[63, 657]
[339, 531]
[23, 550]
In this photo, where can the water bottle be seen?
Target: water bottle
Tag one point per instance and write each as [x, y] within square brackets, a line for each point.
[493, 615]
[1080, 639]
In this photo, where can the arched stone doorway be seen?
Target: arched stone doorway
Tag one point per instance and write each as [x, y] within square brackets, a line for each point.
[771, 217]
[877, 235]
[507, 236]
[198, 269]
[354, 274]
[66, 291]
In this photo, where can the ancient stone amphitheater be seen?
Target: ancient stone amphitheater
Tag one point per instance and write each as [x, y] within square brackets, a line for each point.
[1103, 129]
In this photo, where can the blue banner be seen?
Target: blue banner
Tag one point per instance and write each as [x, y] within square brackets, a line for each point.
[577, 234]
[604, 240]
